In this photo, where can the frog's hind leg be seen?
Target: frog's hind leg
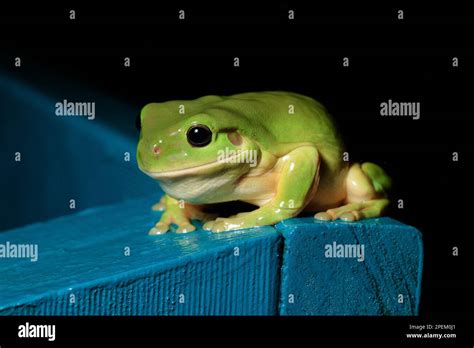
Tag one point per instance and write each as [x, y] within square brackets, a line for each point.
[366, 187]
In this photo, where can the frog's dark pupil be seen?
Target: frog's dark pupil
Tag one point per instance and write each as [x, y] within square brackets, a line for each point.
[138, 122]
[199, 135]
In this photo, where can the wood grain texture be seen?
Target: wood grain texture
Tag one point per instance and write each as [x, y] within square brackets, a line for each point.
[174, 274]
[313, 284]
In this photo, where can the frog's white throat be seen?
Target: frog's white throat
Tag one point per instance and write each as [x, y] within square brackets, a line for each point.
[199, 189]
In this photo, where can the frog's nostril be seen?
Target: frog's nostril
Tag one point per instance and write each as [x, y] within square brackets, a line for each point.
[156, 150]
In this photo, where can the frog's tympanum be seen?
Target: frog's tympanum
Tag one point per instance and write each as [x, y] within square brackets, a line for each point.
[279, 151]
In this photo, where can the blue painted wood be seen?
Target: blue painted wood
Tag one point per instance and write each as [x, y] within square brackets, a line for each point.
[63, 158]
[313, 284]
[83, 257]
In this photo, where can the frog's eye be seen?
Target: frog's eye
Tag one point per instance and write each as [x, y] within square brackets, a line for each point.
[138, 122]
[199, 135]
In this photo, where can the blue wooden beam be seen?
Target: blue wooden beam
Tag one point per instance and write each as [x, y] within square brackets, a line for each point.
[102, 262]
[371, 267]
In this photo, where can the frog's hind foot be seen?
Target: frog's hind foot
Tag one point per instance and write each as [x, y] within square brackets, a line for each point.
[355, 211]
[366, 194]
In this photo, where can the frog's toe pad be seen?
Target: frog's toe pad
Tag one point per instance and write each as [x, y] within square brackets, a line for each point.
[185, 228]
[158, 207]
[208, 225]
[348, 217]
[323, 216]
[217, 225]
[159, 228]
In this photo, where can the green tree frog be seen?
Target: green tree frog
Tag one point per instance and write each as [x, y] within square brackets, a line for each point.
[279, 151]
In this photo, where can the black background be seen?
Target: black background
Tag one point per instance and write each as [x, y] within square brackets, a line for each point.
[406, 60]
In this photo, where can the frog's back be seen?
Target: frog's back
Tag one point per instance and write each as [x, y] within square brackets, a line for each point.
[286, 117]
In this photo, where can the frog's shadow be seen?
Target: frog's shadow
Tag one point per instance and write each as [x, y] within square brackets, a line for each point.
[227, 209]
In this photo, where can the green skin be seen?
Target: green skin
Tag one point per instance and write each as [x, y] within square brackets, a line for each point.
[299, 162]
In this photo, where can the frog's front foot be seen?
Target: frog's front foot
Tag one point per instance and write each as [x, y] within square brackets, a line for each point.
[163, 227]
[223, 225]
[178, 213]
[266, 215]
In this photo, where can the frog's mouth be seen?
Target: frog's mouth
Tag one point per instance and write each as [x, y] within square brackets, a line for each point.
[206, 168]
